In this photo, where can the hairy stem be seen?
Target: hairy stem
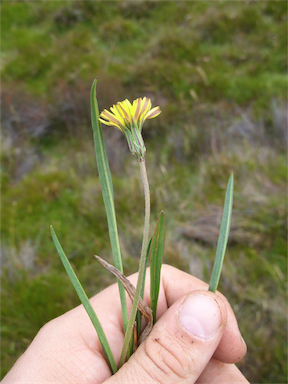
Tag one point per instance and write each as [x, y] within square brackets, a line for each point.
[146, 220]
[142, 263]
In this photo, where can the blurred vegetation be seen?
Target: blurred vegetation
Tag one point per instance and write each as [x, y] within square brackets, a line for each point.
[218, 72]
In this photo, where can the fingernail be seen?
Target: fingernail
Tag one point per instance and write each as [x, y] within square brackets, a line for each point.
[244, 342]
[200, 315]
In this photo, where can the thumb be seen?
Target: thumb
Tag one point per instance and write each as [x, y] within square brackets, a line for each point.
[181, 343]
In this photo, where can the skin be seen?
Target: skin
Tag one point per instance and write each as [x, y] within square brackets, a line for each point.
[67, 350]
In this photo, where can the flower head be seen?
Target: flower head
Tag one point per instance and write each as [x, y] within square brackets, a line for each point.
[129, 119]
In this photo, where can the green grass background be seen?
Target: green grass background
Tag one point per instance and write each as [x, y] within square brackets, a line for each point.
[218, 71]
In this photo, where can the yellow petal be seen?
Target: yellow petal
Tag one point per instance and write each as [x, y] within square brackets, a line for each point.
[146, 105]
[137, 108]
[110, 124]
[109, 116]
[153, 113]
[117, 114]
[127, 106]
[124, 113]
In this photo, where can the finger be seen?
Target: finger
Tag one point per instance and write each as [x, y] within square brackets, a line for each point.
[217, 372]
[232, 347]
[181, 343]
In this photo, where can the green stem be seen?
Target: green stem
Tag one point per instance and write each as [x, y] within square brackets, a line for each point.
[147, 215]
[141, 271]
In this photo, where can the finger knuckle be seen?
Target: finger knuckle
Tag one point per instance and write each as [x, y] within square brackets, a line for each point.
[167, 358]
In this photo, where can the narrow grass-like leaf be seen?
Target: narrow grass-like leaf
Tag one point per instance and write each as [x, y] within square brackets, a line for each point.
[223, 236]
[86, 303]
[107, 191]
[139, 314]
[157, 250]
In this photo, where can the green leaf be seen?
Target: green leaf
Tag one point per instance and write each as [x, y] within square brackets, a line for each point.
[86, 303]
[139, 314]
[108, 194]
[157, 250]
[223, 236]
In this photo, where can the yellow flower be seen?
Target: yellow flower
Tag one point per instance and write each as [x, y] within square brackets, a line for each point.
[124, 114]
[129, 119]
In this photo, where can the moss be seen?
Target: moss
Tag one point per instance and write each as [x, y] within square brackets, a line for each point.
[27, 305]
[162, 55]
[119, 30]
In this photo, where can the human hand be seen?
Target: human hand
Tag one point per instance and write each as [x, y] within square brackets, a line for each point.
[195, 339]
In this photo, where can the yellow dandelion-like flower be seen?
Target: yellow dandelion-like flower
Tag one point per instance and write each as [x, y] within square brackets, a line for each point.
[129, 119]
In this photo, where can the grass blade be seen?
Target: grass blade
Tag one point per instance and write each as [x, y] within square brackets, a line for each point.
[223, 236]
[139, 314]
[86, 303]
[157, 250]
[108, 195]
